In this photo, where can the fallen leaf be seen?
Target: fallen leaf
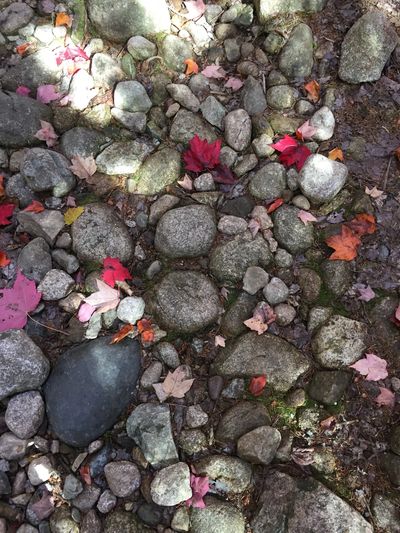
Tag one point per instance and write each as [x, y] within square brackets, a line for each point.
[175, 385]
[374, 192]
[47, 133]
[303, 456]
[195, 8]
[70, 201]
[214, 71]
[22, 90]
[234, 83]
[313, 90]
[105, 299]
[16, 302]
[22, 48]
[223, 174]
[186, 183]
[35, 207]
[114, 271]
[374, 368]
[397, 313]
[295, 155]
[146, 330]
[286, 142]
[191, 67]
[224, 293]
[4, 260]
[397, 153]
[386, 397]
[219, 341]
[43, 507]
[254, 227]
[273, 206]
[335, 154]
[47, 94]
[85, 312]
[122, 333]
[63, 19]
[362, 224]
[71, 52]
[345, 245]
[85, 474]
[306, 217]
[72, 214]
[202, 155]
[366, 293]
[306, 131]
[263, 315]
[2, 191]
[83, 167]
[255, 324]
[257, 385]
[200, 486]
[6, 210]
[327, 422]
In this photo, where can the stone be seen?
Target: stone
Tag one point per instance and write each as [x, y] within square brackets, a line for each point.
[98, 233]
[324, 123]
[81, 90]
[106, 71]
[269, 182]
[262, 146]
[135, 122]
[245, 164]
[301, 202]
[230, 260]
[284, 314]
[317, 316]
[99, 397]
[23, 367]
[119, 521]
[366, 48]
[218, 516]
[276, 291]
[67, 262]
[39, 68]
[337, 276]
[274, 41]
[204, 182]
[290, 232]
[130, 309]
[16, 187]
[192, 441]
[87, 499]
[184, 96]
[213, 111]
[141, 48]
[35, 259]
[281, 97]
[237, 126]
[267, 9]
[260, 445]
[91, 523]
[5, 487]
[228, 474]
[195, 416]
[199, 85]
[81, 141]
[12, 448]
[128, 17]
[239, 419]
[72, 487]
[386, 513]
[252, 354]
[24, 414]
[395, 440]
[181, 518]
[296, 57]
[171, 485]
[14, 17]
[47, 170]
[231, 225]
[340, 342]
[123, 478]
[46, 224]
[151, 375]
[310, 284]
[149, 425]
[158, 171]
[283, 259]
[187, 124]
[328, 386]
[175, 50]
[131, 96]
[168, 354]
[123, 157]
[107, 502]
[185, 302]
[186, 231]
[255, 279]
[55, 285]
[304, 107]
[304, 505]
[253, 97]
[40, 470]
[232, 50]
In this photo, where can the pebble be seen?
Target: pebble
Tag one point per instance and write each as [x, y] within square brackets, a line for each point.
[227, 473]
[192, 441]
[269, 182]
[56, 285]
[204, 182]
[213, 111]
[123, 478]
[237, 126]
[184, 96]
[131, 309]
[40, 470]
[285, 314]
[255, 279]
[11, 447]
[252, 97]
[276, 291]
[260, 445]
[296, 57]
[24, 414]
[168, 354]
[281, 97]
[141, 48]
[324, 123]
[231, 225]
[131, 96]
[34, 259]
[72, 487]
[151, 375]
[107, 502]
[195, 416]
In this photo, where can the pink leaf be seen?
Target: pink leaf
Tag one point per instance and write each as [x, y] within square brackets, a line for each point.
[386, 397]
[47, 94]
[195, 9]
[255, 324]
[372, 366]
[105, 299]
[200, 486]
[71, 52]
[397, 313]
[366, 293]
[284, 143]
[186, 183]
[22, 90]
[220, 341]
[85, 312]
[47, 133]
[234, 83]
[254, 227]
[306, 217]
[306, 131]
[214, 71]
[70, 202]
[16, 302]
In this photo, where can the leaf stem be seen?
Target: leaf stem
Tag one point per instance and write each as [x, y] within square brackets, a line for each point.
[48, 327]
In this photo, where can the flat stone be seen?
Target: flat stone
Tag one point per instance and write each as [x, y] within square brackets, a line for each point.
[192, 441]
[106, 71]
[237, 126]
[195, 416]
[253, 97]
[56, 285]
[35, 259]
[99, 397]
[81, 141]
[231, 225]
[218, 516]
[23, 366]
[12, 448]
[227, 474]
[123, 158]
[24, 414]
[16, 187]
[255, 279]
[213, 111]
[123, 478]
[39, 68]
[290, 232]
[269, 182]
[267, 9]
[175, 50]
[252, 354]
[135, 122]
[67, 262]
[168, 354]
[281, 97]
[240, 419]
[158, 171]
[337, 276]
[328, 386]
[184, 96]
[296, 57]
[260, 445]
[46, 224]
[131, 96]
[187, 124]
[171, 485]
[239, 311]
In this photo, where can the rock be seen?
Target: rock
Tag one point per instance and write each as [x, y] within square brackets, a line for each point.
[324, 123]
[72, 487]
[11, 447]
[123, 478]
[106, 71]
[230, 225]
[46, 224]
[217, 517]
[149, 425]
[181, 519]
[20, 129]
[259, 446]
[337, 276]
[296, 57]
[81, 90]
[157, 172]
[204, 182]
[47, 170]
[16, 187]
[301, 202]
[135, 122]
[24, 414]
[98, 233]
[328, 387]
[395, 440]
[81, 141]
[99, 397]
[119, 521]
[122, 157]
[14, 17]
[186, 231]
[185, 301]
[240, 419]
[35, 259]
[391, 464]
[184, 96]
[39, 68]
[247, 162]
[232, 50]
[171, 485]
[23, 366]
[230, 260]
[128, 17]
[174, 51]
[255, 279]
[195, 416]
[317, 316]
[281, 97]
[237, 126]
[340, 342]
[131, 309]
[55, 285]
[269, 182]
[304, 505]
[151, 375]
[274, 41]
[228, 474]
[267, 9]
[251, 355]
[5, 487]
[239, 311]
[168, 354]
[187, 124]
[62, 522]
[276, 291]
[87, 499]
[131, 96]
[40, 470]
[285, 314]
[386, 513]
[192, 441]
[213, 111]
[283, 259]
[253, 97]
[141, 48]
[67, 262]
[366, 48]
[290, 232]
[310, 284]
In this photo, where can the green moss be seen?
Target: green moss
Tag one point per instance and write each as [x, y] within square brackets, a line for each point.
[91, 266]
[283, 414]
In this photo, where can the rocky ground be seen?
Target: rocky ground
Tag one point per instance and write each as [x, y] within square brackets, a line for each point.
[113, 224]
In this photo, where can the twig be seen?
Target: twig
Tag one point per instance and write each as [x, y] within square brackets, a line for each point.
[387, 173]
[48, 327]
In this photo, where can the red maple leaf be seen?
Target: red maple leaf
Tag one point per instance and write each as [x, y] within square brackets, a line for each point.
[273, 206]
[257, 385]
[283, 144]
[35, 207]
[202, 155]
[6, 210]
[362, 224]
[223, 174]
[295, 155]
[114, 271]
[17, 302]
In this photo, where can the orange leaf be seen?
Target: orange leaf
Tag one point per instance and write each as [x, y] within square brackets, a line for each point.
[63, 19]
[274, 205]
[146, 330]
[344, 244]
[35, 207]
[336, 153]
[257, 385]
[85, 474]
[122, 333]
[313, 88]
[363, 224]
[192, 67]
[2, 186]
[22, 48]
[4, 261]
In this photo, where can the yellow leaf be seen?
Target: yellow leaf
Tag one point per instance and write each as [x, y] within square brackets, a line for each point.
[336, 153]
[63, 19]
[72, 213]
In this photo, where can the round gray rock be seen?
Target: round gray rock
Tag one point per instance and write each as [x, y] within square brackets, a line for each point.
[123, 478]
[324, 123]
[321, 179]
[98, 233]
[253, 97]
[290, 232]
[281, 97]
[157, 172]
[131, 96]
[55, 285]
[186, 231]
[171, 485]
[187, 124]
[218, 516]
[24, 414]
[35, 259]
[269, 182]
[81, 141]
[240, 419]
[237, 126]
[175, 50]
[260, 445]
[141, 48]
[296, 57]
[230, 474]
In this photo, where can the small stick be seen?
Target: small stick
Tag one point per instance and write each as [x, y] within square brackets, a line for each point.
[387, 173]
[48, 327]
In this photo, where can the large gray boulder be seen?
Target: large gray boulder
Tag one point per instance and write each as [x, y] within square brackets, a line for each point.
[267, 9]
[32, 71]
